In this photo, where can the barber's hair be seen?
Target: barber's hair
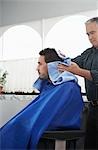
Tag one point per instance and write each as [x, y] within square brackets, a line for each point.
[50, 55]
[95, 19]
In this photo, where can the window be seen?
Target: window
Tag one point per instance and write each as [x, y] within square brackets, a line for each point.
[20, 41]
[69, 36]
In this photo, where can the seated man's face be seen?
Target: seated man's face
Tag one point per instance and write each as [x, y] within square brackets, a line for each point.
[42, 68]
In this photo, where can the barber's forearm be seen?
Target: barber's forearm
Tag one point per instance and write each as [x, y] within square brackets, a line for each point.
[84, 73]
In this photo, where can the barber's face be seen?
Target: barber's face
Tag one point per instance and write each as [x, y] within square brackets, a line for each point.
[42, 68]
[92, 32]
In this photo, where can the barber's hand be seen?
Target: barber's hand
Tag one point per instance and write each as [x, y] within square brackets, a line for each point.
[73, 68]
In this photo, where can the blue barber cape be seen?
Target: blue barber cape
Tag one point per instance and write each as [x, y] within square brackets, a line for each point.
[55, 108]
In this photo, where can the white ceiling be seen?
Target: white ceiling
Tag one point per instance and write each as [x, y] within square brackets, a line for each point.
[14, 11]
[89, 2]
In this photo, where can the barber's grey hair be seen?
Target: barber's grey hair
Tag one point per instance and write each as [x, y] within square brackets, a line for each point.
[95, 19]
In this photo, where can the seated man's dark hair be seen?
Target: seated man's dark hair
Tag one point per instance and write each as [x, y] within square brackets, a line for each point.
[50, 55]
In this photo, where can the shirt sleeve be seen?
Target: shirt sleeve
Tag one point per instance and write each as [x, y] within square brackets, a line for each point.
[84, 61]
[78, 60]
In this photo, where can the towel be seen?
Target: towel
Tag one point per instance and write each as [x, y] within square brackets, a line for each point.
[55, 75]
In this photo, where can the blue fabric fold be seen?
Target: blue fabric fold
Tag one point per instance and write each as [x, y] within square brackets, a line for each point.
[25, 129]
